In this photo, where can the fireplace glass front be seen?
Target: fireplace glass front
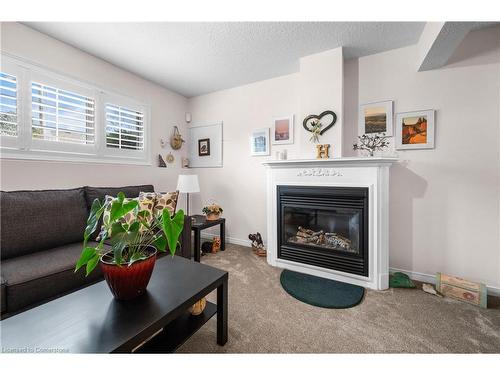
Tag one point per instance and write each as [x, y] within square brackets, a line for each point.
[329, 229]
[324, 226]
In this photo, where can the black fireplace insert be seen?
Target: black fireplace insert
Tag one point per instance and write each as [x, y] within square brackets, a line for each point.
[324, 226]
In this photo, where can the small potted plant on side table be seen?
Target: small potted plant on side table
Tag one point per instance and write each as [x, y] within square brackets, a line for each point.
[129, 263]
[212, 211]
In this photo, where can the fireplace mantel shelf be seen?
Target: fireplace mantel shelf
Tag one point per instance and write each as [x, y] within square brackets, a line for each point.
[354, 162]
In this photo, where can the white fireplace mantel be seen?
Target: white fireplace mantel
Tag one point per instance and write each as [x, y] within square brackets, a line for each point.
[353, 162]
[372, 173]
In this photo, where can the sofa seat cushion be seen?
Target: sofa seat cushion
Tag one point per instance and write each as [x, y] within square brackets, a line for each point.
[37, 277]
[32, 221]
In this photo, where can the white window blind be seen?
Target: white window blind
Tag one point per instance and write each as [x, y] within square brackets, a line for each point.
[8, 105]
[61, 116]
[124, 128]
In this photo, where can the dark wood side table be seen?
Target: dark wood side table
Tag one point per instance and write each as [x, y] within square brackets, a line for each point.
[199, 223]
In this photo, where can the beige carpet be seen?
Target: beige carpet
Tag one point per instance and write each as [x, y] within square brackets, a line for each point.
[263, 318]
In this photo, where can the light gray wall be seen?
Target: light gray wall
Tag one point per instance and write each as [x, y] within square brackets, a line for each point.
[167, 109]
[444, 202]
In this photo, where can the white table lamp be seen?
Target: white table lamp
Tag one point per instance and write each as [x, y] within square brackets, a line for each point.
[188, 183]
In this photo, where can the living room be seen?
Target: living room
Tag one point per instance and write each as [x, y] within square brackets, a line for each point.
[318, 185]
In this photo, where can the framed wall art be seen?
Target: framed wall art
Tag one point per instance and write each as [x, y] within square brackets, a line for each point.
[415, 130]
[376, 118]
[282, 131]
[205, 145]
[259, 142]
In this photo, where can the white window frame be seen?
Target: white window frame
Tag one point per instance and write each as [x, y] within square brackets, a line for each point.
[10, 142]
[122, 101]
[25, 147]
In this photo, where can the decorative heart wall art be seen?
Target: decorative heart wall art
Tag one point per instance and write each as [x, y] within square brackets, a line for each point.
[315, 124]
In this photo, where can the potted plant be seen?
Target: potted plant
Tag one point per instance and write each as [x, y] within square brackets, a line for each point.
[212, 211]
[128, 265]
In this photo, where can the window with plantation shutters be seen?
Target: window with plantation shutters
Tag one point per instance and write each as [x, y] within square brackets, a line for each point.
[45, 115]
[124, 128]
[8, 105]
[61, 116]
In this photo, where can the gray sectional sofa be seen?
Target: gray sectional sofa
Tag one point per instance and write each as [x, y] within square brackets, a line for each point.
[41, 239]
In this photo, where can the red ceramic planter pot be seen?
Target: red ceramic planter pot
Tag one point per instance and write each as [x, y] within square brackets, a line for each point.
[128, 282]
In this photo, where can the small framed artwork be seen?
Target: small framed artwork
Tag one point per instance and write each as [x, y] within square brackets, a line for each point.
[282, 131]
[415, 130]
[259, 142]
[376, 118]
[204, 147]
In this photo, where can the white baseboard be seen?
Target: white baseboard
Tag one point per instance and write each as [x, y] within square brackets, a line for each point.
[235, 241]
[414, 275]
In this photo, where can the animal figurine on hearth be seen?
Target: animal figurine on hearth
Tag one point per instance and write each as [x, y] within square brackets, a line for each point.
[257, 244]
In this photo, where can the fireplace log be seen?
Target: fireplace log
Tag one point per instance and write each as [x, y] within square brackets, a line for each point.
[333, 240]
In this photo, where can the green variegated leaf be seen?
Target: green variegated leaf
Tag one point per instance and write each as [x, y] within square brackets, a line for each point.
[87, 254]
[92, 263]
[172, 228]
[160, 243]
[95, 213]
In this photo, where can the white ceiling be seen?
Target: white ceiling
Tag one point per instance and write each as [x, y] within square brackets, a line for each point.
[197, 58]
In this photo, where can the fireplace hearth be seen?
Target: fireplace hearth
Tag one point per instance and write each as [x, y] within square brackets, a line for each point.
[324, 226]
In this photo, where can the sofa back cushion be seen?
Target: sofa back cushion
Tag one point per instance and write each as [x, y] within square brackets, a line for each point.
[100, 192]
[32, 221]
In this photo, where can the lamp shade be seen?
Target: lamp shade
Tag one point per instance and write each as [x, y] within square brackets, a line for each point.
[188, 183]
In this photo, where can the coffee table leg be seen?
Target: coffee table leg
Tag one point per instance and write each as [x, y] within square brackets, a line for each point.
[222, 313]
[223, 236]
[197, 250]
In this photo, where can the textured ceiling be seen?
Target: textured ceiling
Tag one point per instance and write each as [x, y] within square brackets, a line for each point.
[197, 58]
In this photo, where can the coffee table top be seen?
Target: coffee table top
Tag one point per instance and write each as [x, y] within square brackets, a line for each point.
[90, 320]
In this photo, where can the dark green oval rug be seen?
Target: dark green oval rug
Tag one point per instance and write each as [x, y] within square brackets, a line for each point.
[321, 292]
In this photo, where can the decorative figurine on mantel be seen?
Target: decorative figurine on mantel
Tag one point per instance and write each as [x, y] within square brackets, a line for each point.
[371, 143]
[322, 151]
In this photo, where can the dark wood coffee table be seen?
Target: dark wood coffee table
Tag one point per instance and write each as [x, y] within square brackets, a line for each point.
[92, 321]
